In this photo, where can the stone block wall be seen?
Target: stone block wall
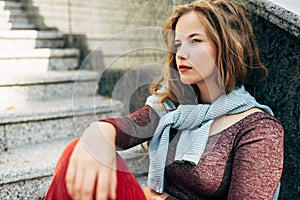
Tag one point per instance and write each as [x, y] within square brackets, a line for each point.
[280, 52]
[277, 28]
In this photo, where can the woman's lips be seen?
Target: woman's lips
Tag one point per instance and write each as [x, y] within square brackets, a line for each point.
[184, 68]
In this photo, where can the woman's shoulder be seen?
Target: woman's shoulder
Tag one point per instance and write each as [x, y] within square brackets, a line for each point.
[253, 118]
[259, 118]
[259, 124]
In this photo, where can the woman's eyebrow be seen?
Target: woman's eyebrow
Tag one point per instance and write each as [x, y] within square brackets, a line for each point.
[195, 34]
[190, 36]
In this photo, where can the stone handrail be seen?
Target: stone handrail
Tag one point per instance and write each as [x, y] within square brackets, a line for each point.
[283, 13]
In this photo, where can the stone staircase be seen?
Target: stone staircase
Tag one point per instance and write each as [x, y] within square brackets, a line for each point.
[13, 17]
[45, 102]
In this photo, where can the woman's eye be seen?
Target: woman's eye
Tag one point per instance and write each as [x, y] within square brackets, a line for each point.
[177, 46]
[195, 40]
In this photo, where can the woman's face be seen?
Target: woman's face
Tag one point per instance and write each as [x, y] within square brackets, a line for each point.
[195, 52]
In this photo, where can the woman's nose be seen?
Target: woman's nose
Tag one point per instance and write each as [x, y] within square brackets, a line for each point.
[182, 53]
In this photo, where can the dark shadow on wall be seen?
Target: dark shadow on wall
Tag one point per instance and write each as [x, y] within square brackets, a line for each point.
[280, 52]
[80, 42]
[137, 95]
[34, 16]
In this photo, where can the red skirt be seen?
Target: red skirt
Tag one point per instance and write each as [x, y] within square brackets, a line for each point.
[127, 186]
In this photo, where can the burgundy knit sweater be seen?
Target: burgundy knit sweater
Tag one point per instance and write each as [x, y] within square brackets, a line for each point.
[244, 161]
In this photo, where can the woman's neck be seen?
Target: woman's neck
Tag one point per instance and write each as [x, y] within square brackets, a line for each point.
[209, 94]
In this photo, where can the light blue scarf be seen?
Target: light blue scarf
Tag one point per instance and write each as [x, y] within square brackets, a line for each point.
[195, 121]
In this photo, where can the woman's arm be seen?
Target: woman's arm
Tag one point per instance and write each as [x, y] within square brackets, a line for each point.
[92, 165]
[258, 161]
[134, 128]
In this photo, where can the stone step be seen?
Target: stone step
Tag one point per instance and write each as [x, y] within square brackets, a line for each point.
[13, 13]
[39, 60]
[33, 123]
[26, 172]
[30, 39]
[6, 5]
[16, 26]
[30, 162]
[46, 86]
[7, 17]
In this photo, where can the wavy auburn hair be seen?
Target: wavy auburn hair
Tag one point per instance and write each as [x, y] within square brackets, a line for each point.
[237, 56]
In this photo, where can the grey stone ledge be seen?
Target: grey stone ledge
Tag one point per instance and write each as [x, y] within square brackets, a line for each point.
[30, 162]
[30, 34]
[32, 189]
[16, 26]
[39, 160]
[35, 111]
[13, 12]
[10, 4]
[46, 77]
[285, 13]
[40, 53]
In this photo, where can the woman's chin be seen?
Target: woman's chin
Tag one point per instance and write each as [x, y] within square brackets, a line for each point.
[187, 81]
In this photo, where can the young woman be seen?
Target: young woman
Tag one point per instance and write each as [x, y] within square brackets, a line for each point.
[209, 138]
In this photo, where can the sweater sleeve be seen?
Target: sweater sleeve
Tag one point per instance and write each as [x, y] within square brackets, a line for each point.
[170, 197]
[134, 128]
[258, 161]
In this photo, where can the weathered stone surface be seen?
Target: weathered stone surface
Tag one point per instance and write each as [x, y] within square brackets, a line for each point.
[16, 26]
[3, 139]
[26, 172]
[30, 39]
[284, 14]
[39, 59]
[31, 161]
[46, 86]
[53, 120]
[280, 52]
[10, 5]
[131, 86]
[15, 94]
[34, 189]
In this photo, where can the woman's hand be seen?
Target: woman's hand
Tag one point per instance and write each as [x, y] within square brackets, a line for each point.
[92, 166]
[152, 195]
